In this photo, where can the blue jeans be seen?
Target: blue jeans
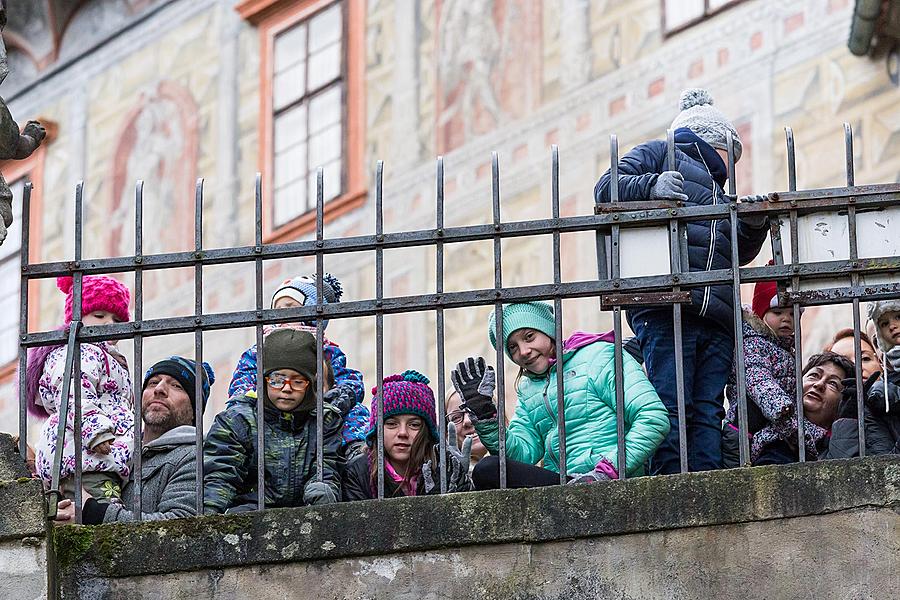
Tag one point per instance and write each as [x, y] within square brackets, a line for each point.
[708, 352]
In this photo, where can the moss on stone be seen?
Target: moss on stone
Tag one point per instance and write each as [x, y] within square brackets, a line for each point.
[70, 544]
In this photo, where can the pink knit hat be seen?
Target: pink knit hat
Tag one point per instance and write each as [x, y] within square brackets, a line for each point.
[98, 292]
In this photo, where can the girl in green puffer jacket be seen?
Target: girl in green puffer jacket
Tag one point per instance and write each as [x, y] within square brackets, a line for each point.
[589, 405]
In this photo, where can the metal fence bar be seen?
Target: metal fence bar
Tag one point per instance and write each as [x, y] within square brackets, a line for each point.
[439, 319]
[77, 290]
[740, 367]
[198, 342]
[260, 368]
[795, 286]
[23, 320]
[557, 315]
[498, 313]
[138, 382]
[676, 266]
[379, 324]
[615, 272]
[320, 331]
[655, 212]
[854, 281]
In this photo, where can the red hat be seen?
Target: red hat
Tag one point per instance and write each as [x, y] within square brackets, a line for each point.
[98, 292]
[765, 296]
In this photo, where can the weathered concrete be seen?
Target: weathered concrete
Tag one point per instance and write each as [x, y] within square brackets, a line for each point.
[762, 532]
[23, 545]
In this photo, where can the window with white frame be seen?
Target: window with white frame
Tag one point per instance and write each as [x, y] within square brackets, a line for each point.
[308, 85]
[678, 14]
[10, 278]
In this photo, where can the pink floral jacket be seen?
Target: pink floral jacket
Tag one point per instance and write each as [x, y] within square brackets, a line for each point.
[107, 401]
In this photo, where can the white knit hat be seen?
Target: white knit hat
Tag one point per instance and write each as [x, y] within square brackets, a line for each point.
[875, 310]
[700, 116]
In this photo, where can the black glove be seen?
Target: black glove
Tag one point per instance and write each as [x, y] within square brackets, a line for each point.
[848, 409]
[877, 402]
[475, 384]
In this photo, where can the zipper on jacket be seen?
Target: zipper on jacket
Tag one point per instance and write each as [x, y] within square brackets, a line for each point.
[553, 415]
[712, 234]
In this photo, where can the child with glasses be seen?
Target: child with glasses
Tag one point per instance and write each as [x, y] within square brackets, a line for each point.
[230, 456]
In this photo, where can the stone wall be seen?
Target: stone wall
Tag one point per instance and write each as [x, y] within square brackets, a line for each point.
[23, 545]
[827, 530]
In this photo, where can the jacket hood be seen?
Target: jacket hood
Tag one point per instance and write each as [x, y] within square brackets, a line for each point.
[573, 343]
[182, 435]
[753, 325]
[690, 143]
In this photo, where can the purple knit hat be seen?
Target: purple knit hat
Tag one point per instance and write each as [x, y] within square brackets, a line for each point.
[404, 394]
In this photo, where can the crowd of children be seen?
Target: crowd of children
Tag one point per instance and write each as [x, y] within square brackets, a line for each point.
[412, 464]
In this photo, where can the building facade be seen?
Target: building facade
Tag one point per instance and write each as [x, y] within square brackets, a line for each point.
[169, 91]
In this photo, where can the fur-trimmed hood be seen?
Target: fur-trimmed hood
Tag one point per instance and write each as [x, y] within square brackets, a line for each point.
[754, 326]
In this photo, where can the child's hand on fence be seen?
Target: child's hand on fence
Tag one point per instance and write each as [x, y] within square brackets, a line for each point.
[474, 381]
[758, 220]
[458, 459]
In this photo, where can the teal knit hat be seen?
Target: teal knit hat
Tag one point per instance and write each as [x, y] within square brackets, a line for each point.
[534, 315]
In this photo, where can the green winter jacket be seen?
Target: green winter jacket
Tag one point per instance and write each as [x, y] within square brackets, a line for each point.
[590, 415]
[229, 455]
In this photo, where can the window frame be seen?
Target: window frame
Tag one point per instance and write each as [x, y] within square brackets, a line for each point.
[707, 13]
[273, 17]
[31, 169]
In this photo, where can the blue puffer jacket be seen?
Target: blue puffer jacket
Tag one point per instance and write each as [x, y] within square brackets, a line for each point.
[709, 242]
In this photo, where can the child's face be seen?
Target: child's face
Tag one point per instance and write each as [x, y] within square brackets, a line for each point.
[99, 317]
[286, 302]
[286, 389]
[400, 431]
[780, 320]
[889, 326]
[531, 349]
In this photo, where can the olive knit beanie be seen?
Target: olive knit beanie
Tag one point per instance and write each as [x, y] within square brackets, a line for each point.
[534, 315]
[291, 349]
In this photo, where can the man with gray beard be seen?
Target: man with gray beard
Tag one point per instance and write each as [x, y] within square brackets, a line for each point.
[168, 453]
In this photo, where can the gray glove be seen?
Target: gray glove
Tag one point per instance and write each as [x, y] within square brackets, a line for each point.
[318, 493]
[669, 186]
[458, 458]
[755, 221]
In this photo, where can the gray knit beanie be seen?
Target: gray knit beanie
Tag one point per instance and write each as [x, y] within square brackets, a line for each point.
[700, 116]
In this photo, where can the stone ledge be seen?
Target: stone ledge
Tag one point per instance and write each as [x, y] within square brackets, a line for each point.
[497, 517]
[20, 496]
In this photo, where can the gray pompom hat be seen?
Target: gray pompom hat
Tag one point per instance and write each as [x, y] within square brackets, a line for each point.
[700, 116]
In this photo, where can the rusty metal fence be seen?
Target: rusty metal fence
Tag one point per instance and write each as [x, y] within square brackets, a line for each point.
[802, 281]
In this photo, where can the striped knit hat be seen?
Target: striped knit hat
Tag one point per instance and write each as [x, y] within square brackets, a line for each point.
[405, 394]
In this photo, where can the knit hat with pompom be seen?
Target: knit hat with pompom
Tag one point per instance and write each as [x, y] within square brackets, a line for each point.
[303, 290]
[700, 116]
[98, 292]
[405, 394]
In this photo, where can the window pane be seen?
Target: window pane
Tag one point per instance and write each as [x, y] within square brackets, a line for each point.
[324, 65]
[325, 28]
[289, 86]
[325, 108]
[290, 128]
[290, 202]
[325, 146]
[290, 165]
[332, 179]
[290, 47]
[679, 12]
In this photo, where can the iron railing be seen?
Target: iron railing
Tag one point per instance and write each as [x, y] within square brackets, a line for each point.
[615, 290]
